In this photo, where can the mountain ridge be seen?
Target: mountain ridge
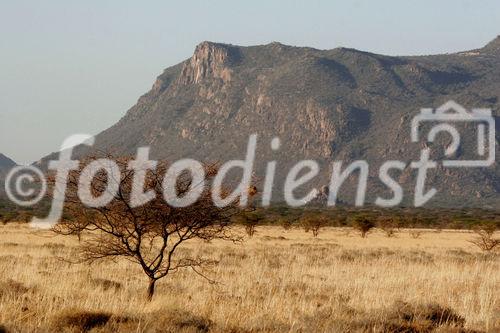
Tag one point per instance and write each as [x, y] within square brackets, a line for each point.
[326, 105]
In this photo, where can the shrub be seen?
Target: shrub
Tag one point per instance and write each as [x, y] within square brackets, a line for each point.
[363, 224]
[388, 225]
[250, 228]
[313, 222]
[249, 220]
[285, 223]
[484, 239]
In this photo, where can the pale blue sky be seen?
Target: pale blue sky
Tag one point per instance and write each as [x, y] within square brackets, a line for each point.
[75, 67]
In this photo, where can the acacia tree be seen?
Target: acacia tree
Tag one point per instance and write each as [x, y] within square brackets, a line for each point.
[148, 235]
[286, 223]
[388, 224]
[363, 224]
[485, 237]
[313, 222]
[250, 219]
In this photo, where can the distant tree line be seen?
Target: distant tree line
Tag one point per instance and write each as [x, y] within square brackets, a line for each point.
[343, 216]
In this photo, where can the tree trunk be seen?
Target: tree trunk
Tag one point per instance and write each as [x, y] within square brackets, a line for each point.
[151, 289]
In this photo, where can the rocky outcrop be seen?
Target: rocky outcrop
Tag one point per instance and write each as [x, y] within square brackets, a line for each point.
[210, 60]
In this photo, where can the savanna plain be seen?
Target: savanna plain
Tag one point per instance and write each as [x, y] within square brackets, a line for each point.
[276, 281]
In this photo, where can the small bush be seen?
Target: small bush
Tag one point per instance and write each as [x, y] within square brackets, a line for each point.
[250, 229]
[285, 223]
[249, 220]
[388, 225]
[485, 237]
[313, 222]
[363, 224]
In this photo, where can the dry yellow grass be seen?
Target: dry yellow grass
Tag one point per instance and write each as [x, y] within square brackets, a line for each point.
[278, 281]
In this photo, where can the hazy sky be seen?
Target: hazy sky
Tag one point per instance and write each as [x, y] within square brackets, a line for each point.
[76, 66]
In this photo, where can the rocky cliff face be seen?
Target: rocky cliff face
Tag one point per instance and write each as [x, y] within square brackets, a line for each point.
[326, 105]
[208, 61]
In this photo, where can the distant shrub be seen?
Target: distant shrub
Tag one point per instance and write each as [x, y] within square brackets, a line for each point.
[388, 225]
[285, 223]
[313, 222]
[485, 237]
[363, 224]
[250, 221]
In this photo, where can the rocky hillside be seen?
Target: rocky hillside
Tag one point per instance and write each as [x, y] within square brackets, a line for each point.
[327, 105]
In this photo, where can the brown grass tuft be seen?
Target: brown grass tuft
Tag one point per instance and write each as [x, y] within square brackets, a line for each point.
[11, 288]
[106, 284]
[178, 321]
[80, 320]
[421, 318]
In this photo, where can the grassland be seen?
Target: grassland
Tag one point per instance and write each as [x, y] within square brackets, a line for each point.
[277, 281]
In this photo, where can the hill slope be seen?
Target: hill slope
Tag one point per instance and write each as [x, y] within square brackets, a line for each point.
[6, 163]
